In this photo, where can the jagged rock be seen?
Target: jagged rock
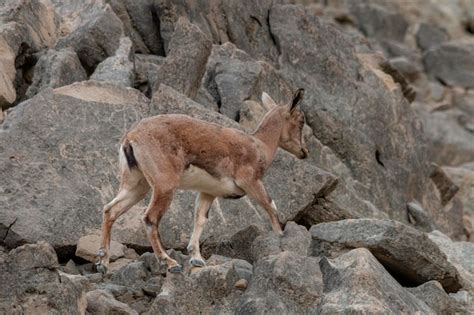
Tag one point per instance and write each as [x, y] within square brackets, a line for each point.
[118, 264]
[88, 246]
[452, 62]
[386, 173]
[224, 21]
[233, 77]
[430, 35]
[119, 69]
[401, 249]
[55, 69]
[433, 294]
[357, 283]
[295, 239]
[31, 283]
[141, 24]
[133, 274]
[286, 283]
[26, 27]
[186, 59]
[71, 268]
[96, 38]
[102, 302]
[67, 158]
[226, 216]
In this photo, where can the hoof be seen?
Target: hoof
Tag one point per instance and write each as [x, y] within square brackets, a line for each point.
[101, 253]
[176, 269]
[101, 268]
[197, 262]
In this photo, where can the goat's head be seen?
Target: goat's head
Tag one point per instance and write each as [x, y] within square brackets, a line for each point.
[291, 138]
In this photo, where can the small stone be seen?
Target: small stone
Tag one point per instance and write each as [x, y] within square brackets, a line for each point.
[88, 246]
[119, 264]
[71, 268]
[130, 253]
[241, 284]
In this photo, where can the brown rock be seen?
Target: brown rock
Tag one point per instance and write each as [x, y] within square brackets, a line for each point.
[88, 246]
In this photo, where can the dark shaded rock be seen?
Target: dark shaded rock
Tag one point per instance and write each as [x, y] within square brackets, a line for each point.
[286, 283]
[31, 283]
[430, 35]
[406, 252]
[357, 283]
[102, 302]
[226, 216]
[345, 96]
[452, 62]
[186, 59]
[55, 69]
[62, 146]
[96, 38]
[141, 24]
[433, 294]
[447, 189]
[407, 68]
[119, 69]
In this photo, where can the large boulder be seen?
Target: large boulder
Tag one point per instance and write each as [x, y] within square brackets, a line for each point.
[406, 252]
[62, 146]
[452, 62]
[346, 96]
[292, 183]
[55, 69]
[186, 59]
[357, 283]
[31, 283]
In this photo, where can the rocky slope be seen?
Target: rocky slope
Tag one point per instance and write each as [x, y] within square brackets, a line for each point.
[378, 220]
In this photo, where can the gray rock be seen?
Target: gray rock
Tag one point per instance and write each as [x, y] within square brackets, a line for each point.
[405, 251]
[102, 302]
[55, 69]
[460, 255]
[186, 59]
[96, 38]
[233, 77]
[71, 268]
[132, 275]
[119, 69]
[430, 35]
[408, 68]
[378, 22]
[345, 96]
[226, 216]
[433, 294]
[357, 283]
[452, 62]
[31, 283]
[286, 283]
[67, 158]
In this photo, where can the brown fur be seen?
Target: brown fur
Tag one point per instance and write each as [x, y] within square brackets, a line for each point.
[178, 151]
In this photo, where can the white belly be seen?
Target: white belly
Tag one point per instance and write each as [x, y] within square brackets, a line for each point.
[195, 178]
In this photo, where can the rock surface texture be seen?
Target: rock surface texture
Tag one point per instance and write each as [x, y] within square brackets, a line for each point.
[379, 219]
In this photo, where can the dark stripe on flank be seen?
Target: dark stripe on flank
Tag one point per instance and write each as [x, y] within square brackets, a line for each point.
[128, 151]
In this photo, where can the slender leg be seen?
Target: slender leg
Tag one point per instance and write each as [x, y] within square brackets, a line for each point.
[257, 191]
[158, 205]
[203, 204]
[127, 197]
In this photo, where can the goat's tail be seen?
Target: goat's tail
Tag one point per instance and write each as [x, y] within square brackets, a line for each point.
[128, 153]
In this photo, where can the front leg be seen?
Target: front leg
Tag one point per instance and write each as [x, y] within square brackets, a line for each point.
[203, 204]
[257, 191]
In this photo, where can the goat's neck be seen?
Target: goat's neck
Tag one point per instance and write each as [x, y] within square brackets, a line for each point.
[269, 132]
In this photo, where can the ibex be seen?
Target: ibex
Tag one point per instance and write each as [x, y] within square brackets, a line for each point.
[170, 152]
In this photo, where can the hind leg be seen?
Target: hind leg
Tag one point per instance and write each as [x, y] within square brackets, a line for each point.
[160, 202]
[133, 188]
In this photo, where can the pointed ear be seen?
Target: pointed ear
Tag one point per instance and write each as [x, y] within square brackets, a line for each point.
[267, 101]
[297, 98]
